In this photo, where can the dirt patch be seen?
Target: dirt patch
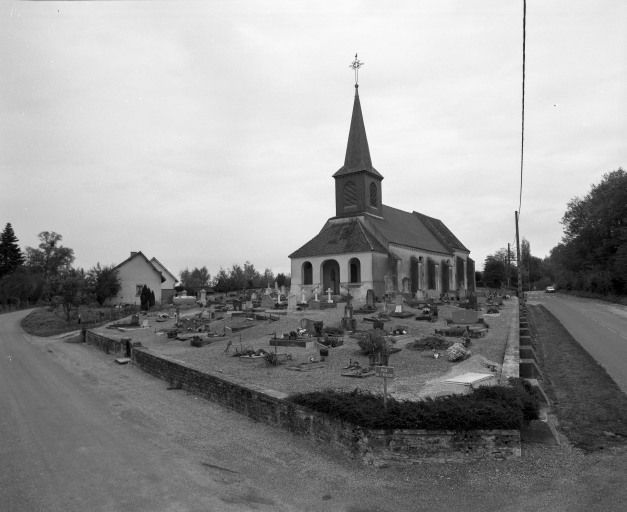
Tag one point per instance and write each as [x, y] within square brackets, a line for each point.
[591, 409]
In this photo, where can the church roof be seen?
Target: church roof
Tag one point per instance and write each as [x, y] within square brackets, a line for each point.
[340, 238]
[357, 152]
[414, 230]
[444, 234]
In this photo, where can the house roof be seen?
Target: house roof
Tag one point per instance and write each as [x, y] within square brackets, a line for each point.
[140, 254]
[357, 152]
[160, 266]
[340, 237]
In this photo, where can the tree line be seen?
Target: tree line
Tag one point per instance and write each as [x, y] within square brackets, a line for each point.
[592, 255]
[236, 278]
[44, 274]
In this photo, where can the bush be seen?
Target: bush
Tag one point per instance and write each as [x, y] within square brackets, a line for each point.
[488, 407]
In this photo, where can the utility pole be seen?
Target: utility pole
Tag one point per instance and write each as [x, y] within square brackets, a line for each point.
[520, 291]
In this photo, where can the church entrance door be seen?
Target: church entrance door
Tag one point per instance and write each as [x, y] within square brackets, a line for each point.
[331, 276]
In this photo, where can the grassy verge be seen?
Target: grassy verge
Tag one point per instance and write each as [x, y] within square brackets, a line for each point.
[44, 322]
[590, 407]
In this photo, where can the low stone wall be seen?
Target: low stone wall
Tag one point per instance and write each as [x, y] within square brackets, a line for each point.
[378, 447]
[107, 345]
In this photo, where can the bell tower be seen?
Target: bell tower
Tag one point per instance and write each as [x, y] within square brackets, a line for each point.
[357, 182]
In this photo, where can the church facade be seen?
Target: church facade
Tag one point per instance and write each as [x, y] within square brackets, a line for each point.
[368, 245]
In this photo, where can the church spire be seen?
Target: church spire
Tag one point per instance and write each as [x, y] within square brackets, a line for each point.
[357, 152]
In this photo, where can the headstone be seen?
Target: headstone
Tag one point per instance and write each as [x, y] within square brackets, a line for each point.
[253, 296]
[267, 302]
[282, 289]
[203, 297]
[316, 294]
[302, 297]
[329, 291]
[370, 298]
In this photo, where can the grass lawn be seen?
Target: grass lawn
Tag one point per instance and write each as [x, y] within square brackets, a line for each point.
[590, 407]
[44, 322]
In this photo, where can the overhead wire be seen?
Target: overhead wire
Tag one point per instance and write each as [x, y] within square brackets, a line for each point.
[522, 132]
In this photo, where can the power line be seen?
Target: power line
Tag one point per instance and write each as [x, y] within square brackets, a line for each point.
[522, 132]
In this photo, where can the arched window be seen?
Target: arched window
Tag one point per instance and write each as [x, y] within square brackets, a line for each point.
[355, 270]
[307, 273]
[350, 193]
[373, 195]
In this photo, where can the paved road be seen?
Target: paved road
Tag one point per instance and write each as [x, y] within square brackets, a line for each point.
[62, 449]
[599, 327]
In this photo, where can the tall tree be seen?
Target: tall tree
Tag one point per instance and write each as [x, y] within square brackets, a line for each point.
[195, 280]
[11, 255]
[70, 288]
[594, 250]
[103, 282]
[50, 258]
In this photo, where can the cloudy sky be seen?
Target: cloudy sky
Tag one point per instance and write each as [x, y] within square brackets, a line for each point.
[206, 133]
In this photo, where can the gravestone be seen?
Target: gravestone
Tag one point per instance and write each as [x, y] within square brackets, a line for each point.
[203, 297]
[329, 292]
[370, 298]
[398, 303]
[267, 302]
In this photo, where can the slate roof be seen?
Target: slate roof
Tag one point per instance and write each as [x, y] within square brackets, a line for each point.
[357, 152]
[340, 238]
[373, 234]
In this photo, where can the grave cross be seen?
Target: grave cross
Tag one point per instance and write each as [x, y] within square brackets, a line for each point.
[329, 291]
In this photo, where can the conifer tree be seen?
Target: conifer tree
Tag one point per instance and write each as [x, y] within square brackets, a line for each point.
[11, 255]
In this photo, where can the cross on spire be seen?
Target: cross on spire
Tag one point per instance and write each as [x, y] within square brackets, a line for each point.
[355, 65]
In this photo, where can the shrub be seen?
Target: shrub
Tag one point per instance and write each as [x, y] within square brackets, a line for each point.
[488, 407]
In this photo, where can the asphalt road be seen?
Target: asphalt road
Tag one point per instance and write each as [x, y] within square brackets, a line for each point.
[599, 327]
[63, 450]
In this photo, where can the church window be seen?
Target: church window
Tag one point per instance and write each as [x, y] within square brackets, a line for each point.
[350, 194]
[355, 270]
[430, 274]
[307, 273]
[373, 195]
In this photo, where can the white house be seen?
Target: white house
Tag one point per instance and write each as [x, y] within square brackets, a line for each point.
[134, 273]
[167, 286]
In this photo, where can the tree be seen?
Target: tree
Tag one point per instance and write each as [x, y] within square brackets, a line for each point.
[195, 280]
[20, 287]
[50, 259]
[11, 255]
[70, 288]
[146, 298]
[103, 282]
[593, 253]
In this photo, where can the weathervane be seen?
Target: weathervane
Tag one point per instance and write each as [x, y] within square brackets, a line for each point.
[356, 64]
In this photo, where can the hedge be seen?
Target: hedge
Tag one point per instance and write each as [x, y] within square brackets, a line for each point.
[487, 407]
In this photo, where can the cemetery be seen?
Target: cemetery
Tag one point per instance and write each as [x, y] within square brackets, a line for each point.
[313, 348]
[287, 366]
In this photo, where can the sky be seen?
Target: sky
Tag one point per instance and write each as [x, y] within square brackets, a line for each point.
[207, 133]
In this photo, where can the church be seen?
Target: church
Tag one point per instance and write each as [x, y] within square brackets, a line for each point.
[368, 245]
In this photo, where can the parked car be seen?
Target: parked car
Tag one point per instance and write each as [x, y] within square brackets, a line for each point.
[550, 289]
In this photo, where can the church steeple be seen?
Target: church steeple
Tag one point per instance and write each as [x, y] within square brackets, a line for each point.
[357, 182]
[357, 151]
